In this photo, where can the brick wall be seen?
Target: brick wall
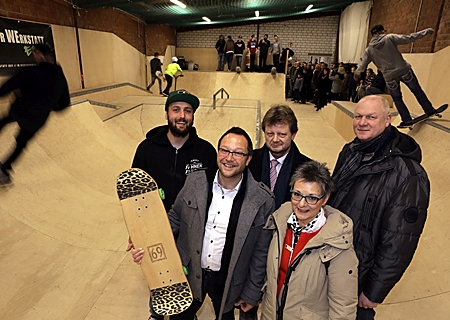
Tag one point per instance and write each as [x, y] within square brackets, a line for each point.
[312, 35]
[401, 17]
[145, 38]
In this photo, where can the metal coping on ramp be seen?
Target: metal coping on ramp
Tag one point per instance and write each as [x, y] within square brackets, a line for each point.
[95, 103]
[104, 88]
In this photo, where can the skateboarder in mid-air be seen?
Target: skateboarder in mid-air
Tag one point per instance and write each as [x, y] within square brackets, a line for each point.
[38, 90]
[382, 50]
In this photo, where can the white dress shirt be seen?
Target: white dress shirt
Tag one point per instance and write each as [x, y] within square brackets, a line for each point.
[217, 225]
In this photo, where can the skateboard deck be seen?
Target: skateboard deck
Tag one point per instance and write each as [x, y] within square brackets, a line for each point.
[149, 228]
[424, 117]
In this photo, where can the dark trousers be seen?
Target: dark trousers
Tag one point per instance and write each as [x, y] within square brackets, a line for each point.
[22, 139]
[229, 56]
[154, 78]
[262, 61]
[412, 83]
[322, 100]
[252, 62]
[238, 61]
[334, 96]
[215, 292]
[296, 95]
[169, 80]
[350, 94]
[276, 62]
[365, 314]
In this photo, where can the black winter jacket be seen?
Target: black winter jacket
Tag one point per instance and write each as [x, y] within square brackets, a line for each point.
[239, 47]
[40, 90]
[169, 166]
[387, 199]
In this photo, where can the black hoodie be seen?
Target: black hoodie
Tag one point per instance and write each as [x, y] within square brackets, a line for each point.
[169, 166]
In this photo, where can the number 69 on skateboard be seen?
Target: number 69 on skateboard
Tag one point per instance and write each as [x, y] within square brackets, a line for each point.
[149, 228]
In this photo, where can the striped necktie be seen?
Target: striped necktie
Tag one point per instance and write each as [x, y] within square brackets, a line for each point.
[273, 174]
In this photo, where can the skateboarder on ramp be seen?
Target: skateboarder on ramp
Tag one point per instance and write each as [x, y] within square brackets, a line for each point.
[382, 50]
[39, 90]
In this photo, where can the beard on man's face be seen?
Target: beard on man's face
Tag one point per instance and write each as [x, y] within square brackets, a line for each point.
[181, 131]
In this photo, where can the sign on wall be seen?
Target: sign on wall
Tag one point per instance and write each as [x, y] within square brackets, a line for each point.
[17, 39]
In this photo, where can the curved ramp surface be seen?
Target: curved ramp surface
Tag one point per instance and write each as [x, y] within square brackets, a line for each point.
[62, 231]
[63, 239]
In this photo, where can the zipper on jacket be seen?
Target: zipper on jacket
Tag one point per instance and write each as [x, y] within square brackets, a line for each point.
[284, 289]
[175, 164]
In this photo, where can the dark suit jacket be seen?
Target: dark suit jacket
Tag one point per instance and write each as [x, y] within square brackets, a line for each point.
[260, 169]
[247, 268]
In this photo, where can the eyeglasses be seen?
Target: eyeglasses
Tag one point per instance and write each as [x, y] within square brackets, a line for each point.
[297, 196]
[235, 154]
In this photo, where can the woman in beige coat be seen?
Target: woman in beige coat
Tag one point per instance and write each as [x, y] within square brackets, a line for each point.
[312, 269]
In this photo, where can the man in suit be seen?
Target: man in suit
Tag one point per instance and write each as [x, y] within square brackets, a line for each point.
[280, 127]
[218, 218]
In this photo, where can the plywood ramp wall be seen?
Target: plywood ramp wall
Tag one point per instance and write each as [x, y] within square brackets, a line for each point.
[106, 58]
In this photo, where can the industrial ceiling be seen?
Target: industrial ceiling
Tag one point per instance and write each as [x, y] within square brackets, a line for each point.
[220, 12]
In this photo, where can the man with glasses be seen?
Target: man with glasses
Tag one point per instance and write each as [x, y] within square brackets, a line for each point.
[276, 161]
[382, 187]
[218, 219]
[171, 152]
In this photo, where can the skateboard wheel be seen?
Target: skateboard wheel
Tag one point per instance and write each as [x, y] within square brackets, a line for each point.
[161, 193]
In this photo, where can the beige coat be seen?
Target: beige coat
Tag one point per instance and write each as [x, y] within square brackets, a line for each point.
[312, 294]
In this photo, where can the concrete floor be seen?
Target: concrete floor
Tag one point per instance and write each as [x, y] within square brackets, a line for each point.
[62, 235]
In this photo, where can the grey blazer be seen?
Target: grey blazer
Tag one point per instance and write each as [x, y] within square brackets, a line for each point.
[247, 269]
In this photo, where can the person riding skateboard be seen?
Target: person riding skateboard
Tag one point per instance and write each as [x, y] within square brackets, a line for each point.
[383, 51]
[39, 90]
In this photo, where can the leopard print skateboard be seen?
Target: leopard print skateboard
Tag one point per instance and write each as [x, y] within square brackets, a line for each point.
[149, 228]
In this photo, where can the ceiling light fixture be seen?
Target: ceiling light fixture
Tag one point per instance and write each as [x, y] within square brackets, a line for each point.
[206, 19]
[179, 3]
[307, 9]
[256, 13]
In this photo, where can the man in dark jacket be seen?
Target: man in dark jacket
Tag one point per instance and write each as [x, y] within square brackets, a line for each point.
[218, 218]
[220, 46]
[239, 47]
[155, 66]
[170, 152]
[377, 86]
[264, 45]
[381, 185]
[276, 161]
[280, 127]
[39, 90]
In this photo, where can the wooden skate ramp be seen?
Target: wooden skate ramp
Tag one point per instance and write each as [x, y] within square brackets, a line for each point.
[63, 237]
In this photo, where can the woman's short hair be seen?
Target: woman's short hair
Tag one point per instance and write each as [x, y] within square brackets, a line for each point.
[314, 171]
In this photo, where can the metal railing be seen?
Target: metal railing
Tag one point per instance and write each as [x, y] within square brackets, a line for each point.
[221, 91]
